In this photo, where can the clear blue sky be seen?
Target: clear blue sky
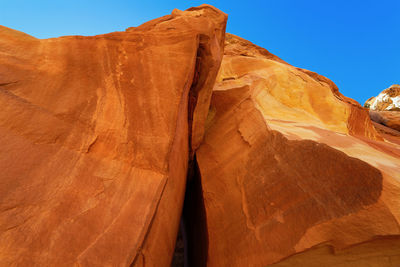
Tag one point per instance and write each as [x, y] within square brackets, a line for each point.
[356, 43]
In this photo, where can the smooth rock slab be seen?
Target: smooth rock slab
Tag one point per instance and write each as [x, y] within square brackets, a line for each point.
[289, 167]
[95, 136]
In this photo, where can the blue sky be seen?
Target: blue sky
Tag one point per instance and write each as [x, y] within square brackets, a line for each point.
[356, 43]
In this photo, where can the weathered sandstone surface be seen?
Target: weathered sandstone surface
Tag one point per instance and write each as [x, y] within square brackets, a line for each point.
[103, 136]
[95, 137]
[388, 99]
[290, 167]
[389, 119]
[385, 111]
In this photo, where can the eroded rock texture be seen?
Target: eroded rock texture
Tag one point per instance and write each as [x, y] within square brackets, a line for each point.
[389, 119]
[385, 111]
[99, 135]
[388, 99]
[94, 137]
[290, 167]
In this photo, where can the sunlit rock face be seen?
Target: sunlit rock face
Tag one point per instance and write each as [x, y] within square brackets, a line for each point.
[95, 137]
[102, 136]
[385, 111]
[289, 167]
[388, 99]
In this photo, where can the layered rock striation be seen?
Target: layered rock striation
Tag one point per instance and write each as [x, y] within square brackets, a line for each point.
[385, 111]
[388, 99]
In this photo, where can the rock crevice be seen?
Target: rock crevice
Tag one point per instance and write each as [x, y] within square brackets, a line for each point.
[109, 143]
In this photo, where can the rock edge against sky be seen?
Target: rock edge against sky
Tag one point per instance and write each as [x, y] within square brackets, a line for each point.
[103, 136]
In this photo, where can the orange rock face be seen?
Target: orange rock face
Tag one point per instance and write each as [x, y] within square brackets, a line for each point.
[102, 136]
[96, 134]
[290, 167]
[389, 119]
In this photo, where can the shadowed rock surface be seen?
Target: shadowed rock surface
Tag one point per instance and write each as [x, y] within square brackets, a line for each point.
[104, 138]
[389, 119]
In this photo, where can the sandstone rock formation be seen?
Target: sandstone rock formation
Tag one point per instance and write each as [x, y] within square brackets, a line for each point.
[385, 112]
[102, 137]
[290, 167]
[388, 99]
[94, 136]
[389, 119]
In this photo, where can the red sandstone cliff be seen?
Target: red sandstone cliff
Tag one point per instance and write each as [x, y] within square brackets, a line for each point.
[293, 173]
[100, 134]
[94, 134]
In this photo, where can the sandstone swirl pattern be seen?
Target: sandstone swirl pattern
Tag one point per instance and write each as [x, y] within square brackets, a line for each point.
[385, 111]
[388, 99]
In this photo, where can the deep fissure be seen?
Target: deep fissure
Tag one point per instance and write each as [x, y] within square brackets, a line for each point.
[192, 241]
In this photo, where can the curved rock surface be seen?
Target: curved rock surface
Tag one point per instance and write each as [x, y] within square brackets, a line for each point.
[290, 167]
[385, 111]
[388, 99]
[99, 136]
[390, 119]
[94, 134]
